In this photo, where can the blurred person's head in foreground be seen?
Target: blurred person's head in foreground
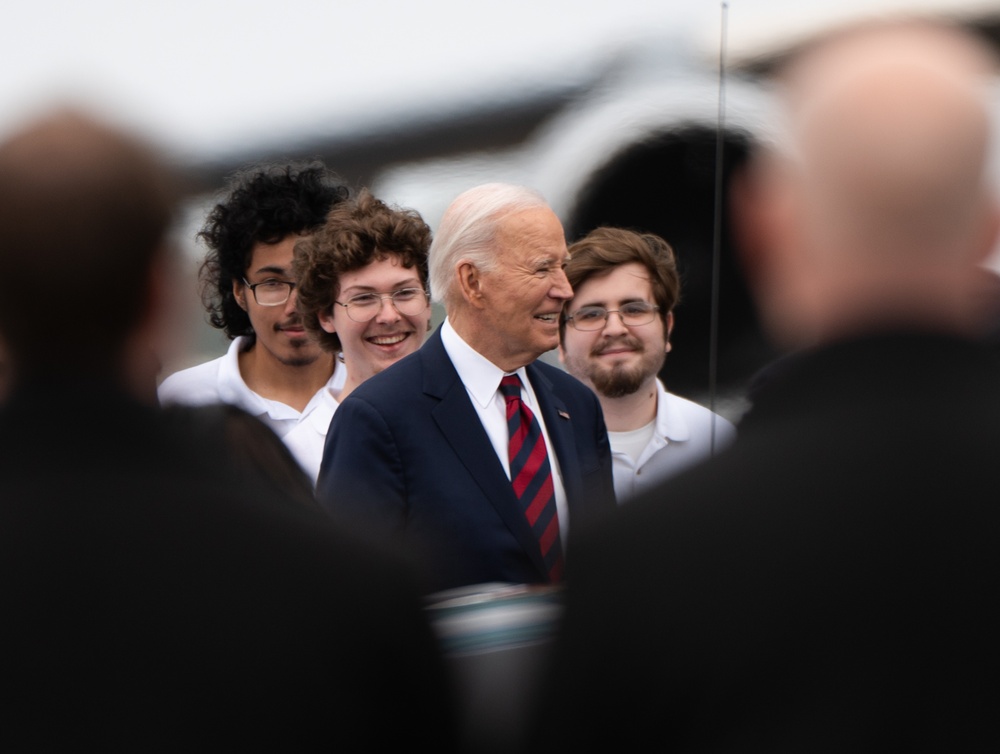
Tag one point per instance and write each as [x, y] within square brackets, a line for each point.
[85, 211]
[873, 208]
[362, 285]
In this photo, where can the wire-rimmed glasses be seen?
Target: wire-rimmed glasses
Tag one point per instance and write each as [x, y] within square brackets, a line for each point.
[365, 306]
[632, 314]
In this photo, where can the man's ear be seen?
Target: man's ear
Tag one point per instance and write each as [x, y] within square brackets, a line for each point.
[766, 225]
[240, 293]
[154, 335]
[326, 321]
[989, 242]
[470, 282]
[669, 328]
[751, 217]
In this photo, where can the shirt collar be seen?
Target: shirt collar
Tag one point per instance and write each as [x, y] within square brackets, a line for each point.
[670, 421]
[480, 376]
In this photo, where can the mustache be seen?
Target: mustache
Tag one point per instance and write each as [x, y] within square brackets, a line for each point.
[628, 342]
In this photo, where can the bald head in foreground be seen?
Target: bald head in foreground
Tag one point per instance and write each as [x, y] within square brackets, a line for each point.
[154, 597]
[823, 584]
[877, 207]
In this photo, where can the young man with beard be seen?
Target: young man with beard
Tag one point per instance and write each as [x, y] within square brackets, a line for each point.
[615, 336]
[274, 368]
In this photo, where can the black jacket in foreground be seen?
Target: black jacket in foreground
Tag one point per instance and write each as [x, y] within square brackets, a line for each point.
[828, 583]
[153, 600]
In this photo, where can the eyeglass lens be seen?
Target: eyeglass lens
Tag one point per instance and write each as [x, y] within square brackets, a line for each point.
[595, 317]
[271, 292]
[365, 306]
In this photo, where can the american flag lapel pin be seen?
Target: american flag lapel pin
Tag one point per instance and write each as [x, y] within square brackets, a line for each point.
[562, 413]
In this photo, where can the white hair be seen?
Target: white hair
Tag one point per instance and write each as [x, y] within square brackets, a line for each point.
[468, 230]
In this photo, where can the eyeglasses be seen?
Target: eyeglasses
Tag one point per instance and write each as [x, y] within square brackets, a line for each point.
[632, 314]
[364, 306]
[270, 292]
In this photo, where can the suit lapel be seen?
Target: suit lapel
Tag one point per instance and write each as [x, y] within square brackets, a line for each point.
[459, 423]
[559, 425]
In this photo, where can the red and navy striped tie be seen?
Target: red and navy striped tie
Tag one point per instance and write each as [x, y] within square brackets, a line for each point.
[531, 475]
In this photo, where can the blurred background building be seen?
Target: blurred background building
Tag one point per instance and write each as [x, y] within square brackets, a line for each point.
[622, 112]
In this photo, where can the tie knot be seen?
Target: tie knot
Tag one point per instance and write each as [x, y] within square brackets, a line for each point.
[510, 386]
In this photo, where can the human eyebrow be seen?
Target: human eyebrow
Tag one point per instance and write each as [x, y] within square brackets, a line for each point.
[272, 270]
[399, 285]
[548, 263]
[604, 304]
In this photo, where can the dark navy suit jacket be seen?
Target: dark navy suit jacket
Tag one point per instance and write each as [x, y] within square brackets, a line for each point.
[407, 457]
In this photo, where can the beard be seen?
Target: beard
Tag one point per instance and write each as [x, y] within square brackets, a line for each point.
[304, 353]
[299, 361]
[618, 381]
[622, 379]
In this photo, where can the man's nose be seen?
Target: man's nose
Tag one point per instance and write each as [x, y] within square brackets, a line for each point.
[561, 288]
[387, 311]
[613, 323]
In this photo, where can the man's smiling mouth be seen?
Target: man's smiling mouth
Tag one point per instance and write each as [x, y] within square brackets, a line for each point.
[388, 340]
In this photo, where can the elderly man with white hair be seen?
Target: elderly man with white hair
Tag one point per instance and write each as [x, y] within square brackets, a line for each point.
[471, 454]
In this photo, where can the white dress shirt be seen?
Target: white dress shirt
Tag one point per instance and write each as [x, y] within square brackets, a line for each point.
[481, 378]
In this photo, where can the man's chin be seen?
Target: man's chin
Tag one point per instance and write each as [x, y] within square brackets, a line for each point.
[300, 360]
[617, 383]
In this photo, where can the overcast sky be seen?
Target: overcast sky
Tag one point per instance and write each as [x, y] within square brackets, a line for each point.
[210, 77]
[205, 75]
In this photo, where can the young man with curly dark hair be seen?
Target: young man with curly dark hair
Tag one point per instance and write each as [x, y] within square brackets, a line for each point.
[274, 368]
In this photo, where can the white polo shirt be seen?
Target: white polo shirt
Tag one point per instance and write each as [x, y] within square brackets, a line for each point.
[220, 381]
[681, 435]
